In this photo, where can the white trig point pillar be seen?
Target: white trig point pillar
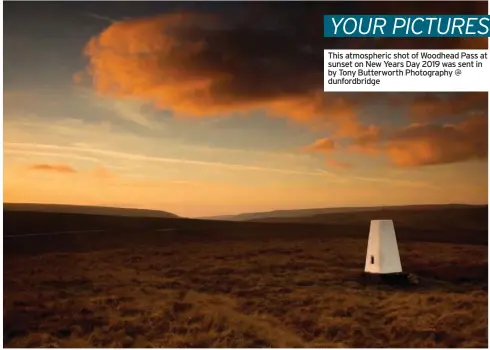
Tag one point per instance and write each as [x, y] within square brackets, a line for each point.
[382, 255]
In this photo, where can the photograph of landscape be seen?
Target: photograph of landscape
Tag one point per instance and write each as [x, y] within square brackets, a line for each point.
[175, 176]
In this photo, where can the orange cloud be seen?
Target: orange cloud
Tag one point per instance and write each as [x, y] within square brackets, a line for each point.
[186, 63]
[433, 106]
[324, 145]
[98, 172]
[420, 144]
[425, 144]
[205, 64]
[338, 164]
[367, 141]
[59, 168]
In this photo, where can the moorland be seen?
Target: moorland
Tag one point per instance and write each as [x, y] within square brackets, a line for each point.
[116, 281]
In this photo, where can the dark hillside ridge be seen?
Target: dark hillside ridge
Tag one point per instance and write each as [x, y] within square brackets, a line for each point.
[123, 232]
[85, 209]
[436, 218]
[293, 213]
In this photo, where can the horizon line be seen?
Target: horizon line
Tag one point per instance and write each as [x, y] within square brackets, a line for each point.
[249, 212]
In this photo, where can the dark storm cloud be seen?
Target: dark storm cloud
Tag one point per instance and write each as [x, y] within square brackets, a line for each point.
[266, 56]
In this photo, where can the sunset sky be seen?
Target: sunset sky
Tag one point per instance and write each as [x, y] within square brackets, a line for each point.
[218, 108]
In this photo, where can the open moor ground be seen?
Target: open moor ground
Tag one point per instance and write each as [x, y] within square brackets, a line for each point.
[230, 289]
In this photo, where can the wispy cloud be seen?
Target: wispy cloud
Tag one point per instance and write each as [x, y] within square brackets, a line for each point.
[29, 147]
[25, 152]
[338, 164]
[102, 135]
[407, 183]
[101, 17]
[129, 109]
[77, 152]
[57, 168]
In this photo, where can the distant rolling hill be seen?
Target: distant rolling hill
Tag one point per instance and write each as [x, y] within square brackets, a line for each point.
[436, 217]
[114, 232]
[82, 209]
[315, 215]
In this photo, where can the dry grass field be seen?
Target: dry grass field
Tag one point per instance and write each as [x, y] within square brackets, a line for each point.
[245, 293]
